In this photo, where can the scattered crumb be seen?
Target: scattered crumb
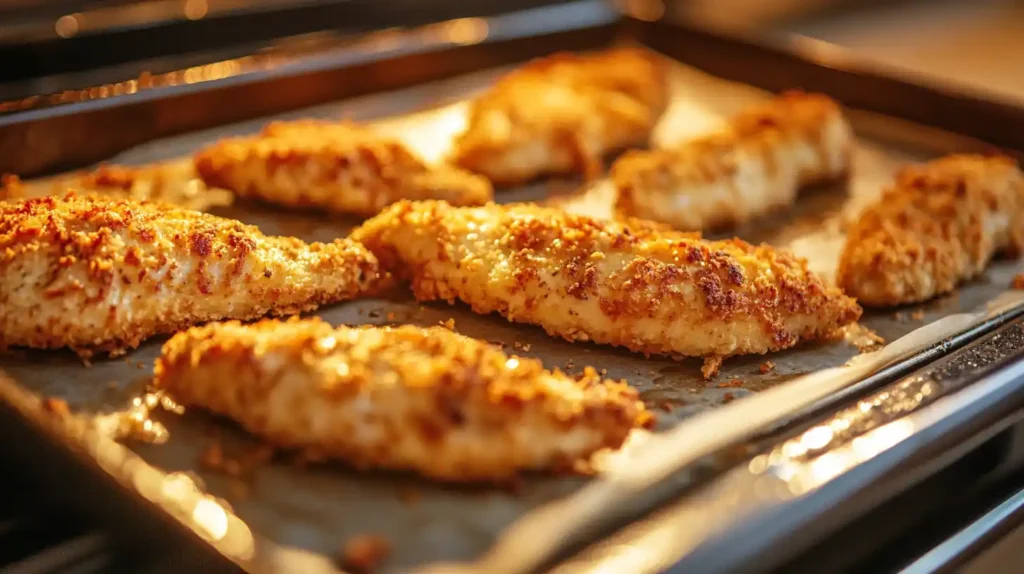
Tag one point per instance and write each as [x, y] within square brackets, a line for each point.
[766, 367]
[917, 315]
[728, 398]
[711, 367]
[1018, 281]
[239, 489]
[512, 485]
[604, 372]
[214, 460]
[373, 314]
[365, 553]
[498, 344]
[409, 495]
[652, 372]
[669, 405]
[307, 456]
[140, 365]
[734, 383]
[900, 316]
[449, 324]
[524, 347]
[56, 406]
[112, 385]
[391, 316]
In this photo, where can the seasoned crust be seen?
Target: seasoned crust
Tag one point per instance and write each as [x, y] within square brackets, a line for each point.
[336, 166]
[584, 279]
[755, 165]
[562, 114]
[406, 398]
[102, 274]
[168, 183]
[937, 226]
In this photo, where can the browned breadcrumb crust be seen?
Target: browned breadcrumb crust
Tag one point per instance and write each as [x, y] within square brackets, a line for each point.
[409, 398]
[562, 114]
[336, 166]
[101, 274]
[604, 281]
[165, 183]
[1018, 281]
[938, 225]
[755, 165]
[365, 553]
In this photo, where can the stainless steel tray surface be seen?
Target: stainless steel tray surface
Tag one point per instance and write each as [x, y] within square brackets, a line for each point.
[285, 513]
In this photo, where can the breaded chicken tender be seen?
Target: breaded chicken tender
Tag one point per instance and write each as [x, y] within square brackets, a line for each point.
[938, 225]
[100, 274]
[168, 183]
[336, 166]
[562, 114]
[404, 398]
[584, 279]
[756, 165]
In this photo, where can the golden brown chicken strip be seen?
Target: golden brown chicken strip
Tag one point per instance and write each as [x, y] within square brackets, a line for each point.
[757, 164]
[937, 226]
[169, 183]
[100, 274]
[405, 398]
[337, 166]
[604, 281]
[562, 114]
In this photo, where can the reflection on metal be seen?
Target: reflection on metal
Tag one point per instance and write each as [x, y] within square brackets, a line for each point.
[176, 493]
[975, 536]
[463, 31]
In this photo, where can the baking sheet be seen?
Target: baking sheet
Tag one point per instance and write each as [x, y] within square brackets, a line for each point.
[300, 515]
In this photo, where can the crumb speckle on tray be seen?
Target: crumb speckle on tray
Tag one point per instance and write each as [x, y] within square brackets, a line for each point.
[365, 553]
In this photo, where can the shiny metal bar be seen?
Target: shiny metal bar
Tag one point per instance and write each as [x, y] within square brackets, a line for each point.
[971, 539]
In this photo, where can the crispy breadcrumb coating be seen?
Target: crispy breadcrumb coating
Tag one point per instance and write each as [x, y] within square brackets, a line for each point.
[562, 114]
[404, 398]
[337, 166]
[100, 274]
[937, 226]
[756, 165]
[605, 281]
[168, 183]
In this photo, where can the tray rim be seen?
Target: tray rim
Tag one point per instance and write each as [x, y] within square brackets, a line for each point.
[644, 31]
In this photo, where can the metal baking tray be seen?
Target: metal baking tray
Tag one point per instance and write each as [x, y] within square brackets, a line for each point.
[706, 456]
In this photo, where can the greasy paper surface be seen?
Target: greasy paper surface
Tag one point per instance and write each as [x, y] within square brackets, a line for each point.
[300, 516]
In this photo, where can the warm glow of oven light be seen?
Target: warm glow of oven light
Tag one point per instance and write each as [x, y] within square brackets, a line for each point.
[466, 31]
[195, 9]
[67, 26]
